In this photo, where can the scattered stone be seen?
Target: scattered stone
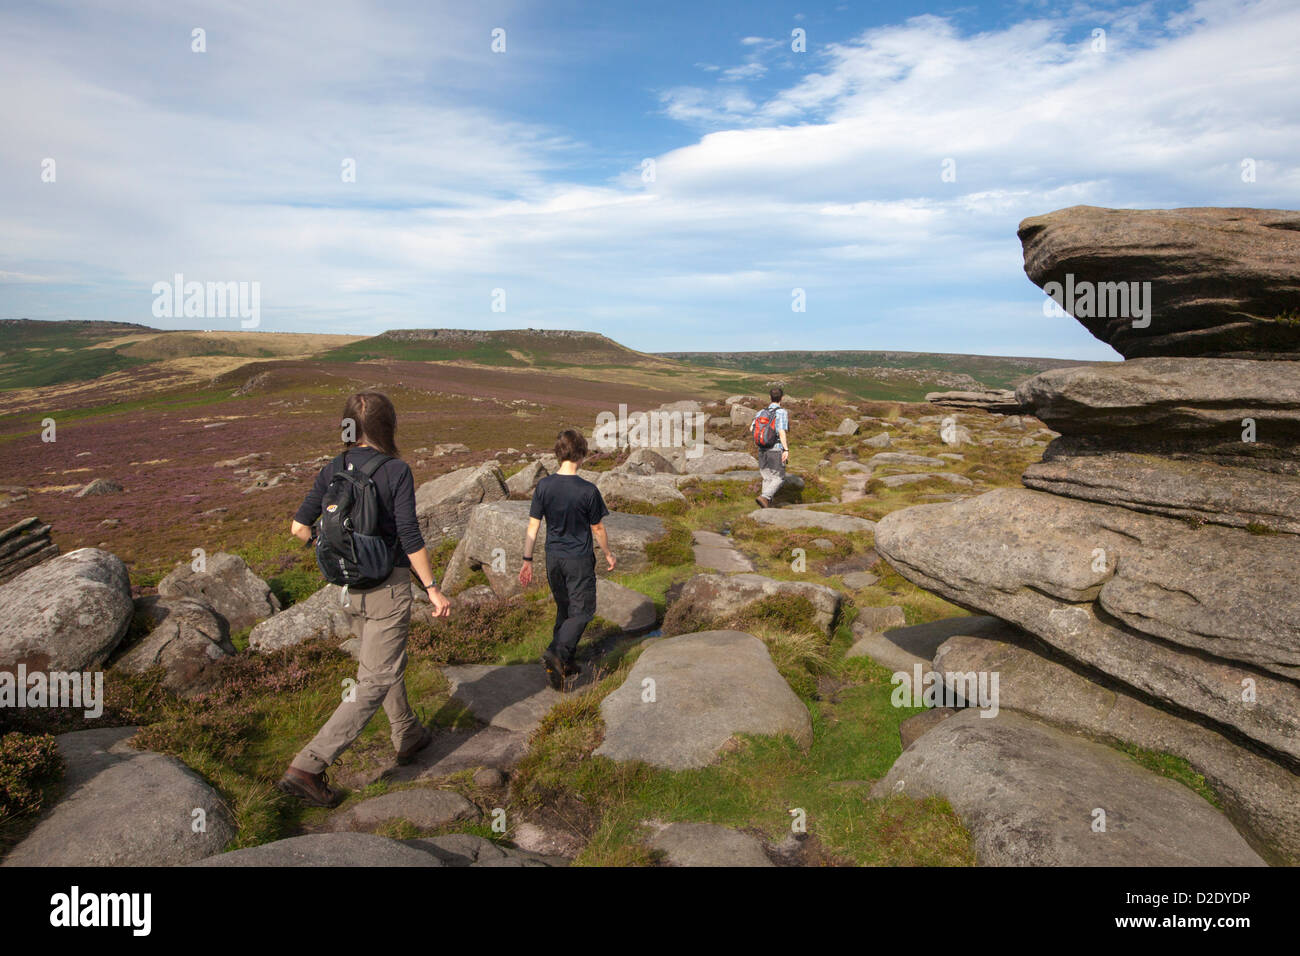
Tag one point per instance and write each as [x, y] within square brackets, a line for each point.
[619, 488]
[100, 486]
[879, 441]
[717, 552]
[522, 483]
[514, 697]
[857, 580]
[950, 433]
[899, 481]
[546, 841]
[630, 610]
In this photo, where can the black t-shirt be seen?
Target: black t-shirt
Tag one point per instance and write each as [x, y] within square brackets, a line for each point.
[396, 486]
[570, 505]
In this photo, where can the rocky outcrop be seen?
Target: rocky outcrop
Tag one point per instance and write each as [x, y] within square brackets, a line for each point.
[227, 585]
[1153, 555]
[502, 524]
[24, 545]
[444, 505]
[1188, 406]
[1223, 282]
[1193, 617]
[686, 696]
[65, 614]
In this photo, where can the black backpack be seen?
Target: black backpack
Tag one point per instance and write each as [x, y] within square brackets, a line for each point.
[348, 549]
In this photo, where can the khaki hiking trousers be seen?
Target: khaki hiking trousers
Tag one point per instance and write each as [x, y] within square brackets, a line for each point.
[384, 616]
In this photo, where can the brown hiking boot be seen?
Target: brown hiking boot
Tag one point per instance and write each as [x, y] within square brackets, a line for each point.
[554, 669]
[407, 754]
[312, 789]
[763, 502]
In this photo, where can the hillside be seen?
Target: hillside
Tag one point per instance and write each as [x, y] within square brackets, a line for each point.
[510, 348]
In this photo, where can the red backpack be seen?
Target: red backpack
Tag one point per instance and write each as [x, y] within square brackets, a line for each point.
[765, 431]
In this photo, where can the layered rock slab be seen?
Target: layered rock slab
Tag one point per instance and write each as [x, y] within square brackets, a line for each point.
[1206, 619]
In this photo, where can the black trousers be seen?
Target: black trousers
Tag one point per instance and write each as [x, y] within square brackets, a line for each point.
[573, 585]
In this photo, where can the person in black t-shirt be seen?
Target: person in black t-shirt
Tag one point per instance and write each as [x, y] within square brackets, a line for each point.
[574, 513]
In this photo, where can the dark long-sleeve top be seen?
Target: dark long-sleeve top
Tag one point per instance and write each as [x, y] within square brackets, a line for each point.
[396, 486]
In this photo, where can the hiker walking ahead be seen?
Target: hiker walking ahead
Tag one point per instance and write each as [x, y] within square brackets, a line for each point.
[769, 430]
[367, 540]
[574, 512]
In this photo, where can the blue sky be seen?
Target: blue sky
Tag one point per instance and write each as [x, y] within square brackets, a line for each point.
[522, 171]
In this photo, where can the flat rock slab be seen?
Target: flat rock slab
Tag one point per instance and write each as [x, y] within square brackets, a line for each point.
[899, 481]
[513, 697]
[124, 807]
[1027, 792]
[327, 849]
[807, 518]
[708, 844]
[1158, 403]
[455, 750]
[708, 687]
[1214, 493]
[424, 808]
[717, 552]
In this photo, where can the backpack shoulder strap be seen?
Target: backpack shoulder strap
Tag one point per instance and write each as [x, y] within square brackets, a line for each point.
[374, 464]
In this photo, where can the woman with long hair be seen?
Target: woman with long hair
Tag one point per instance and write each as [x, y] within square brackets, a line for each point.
[383, 612]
